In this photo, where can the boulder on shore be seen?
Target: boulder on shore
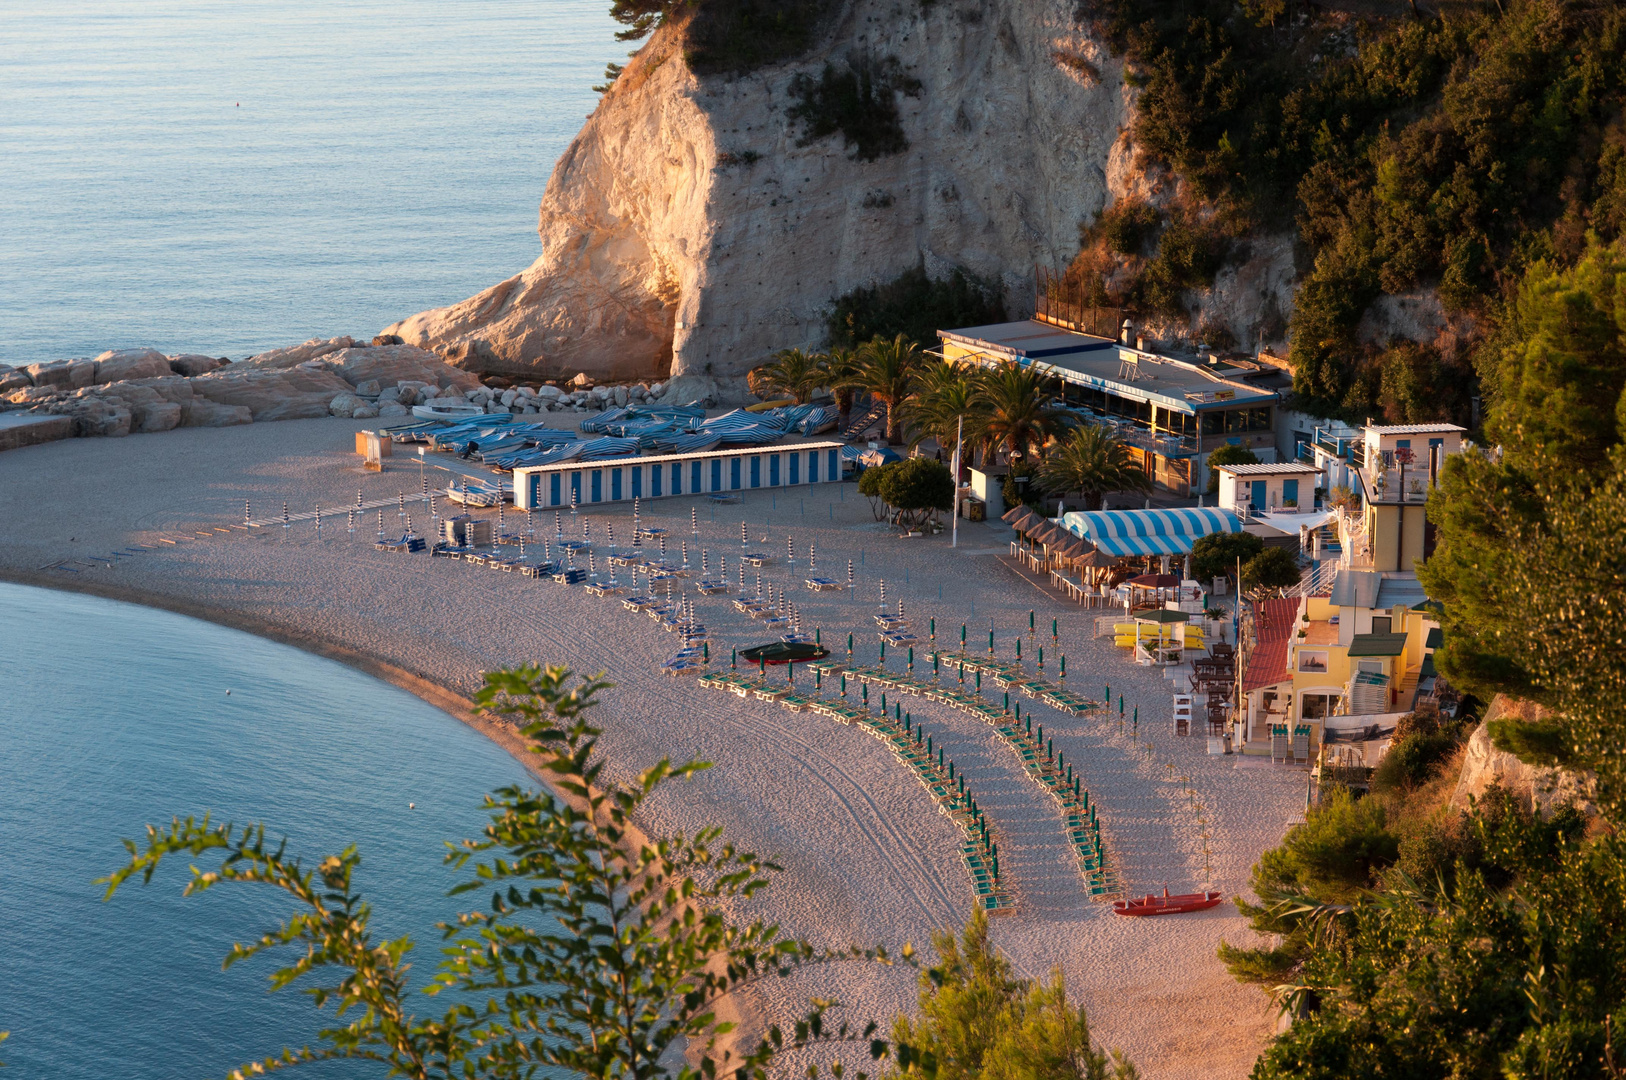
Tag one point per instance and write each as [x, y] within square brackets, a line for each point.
[121, 365]
[66, 374]
[196, 364]
[13, 378]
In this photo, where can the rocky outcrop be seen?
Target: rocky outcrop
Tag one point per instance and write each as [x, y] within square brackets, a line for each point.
[687, 230]
[319, 378]
[1542, 789]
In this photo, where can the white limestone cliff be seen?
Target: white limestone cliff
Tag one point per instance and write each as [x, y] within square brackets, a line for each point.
[668, 248]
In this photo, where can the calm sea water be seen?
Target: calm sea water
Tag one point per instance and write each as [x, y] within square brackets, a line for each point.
[225, 176]
[114, 715]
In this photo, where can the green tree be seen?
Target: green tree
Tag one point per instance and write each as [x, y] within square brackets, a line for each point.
[1089, 460]
[887, 369]
[792, 372]
[1272, 569]
[1022, 413]
[601, 953]
[918, 488]
[915, 305]
[979, 1022]
[1556, 376]
[946, 394]
[870, 485]
[840, 375]
[1216, 554]
[1229, 454]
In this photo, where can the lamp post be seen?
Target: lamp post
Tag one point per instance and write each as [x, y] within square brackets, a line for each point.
[959, 438]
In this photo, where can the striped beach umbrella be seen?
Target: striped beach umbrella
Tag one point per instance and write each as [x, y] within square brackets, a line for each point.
[790, 551]
[592, 566]
[318, 521]
[705, 571]
[587, 529]
[558, 527]
[663, 547]
[610, 528]
[501, 528]
[351, 524]
[247, 516]
[381, 524]
[883, 594]
[742, 575]
[694, 522]
[285, 513]
[400, 506]
[358, 500]
[812, 558]
[575, 495]
[850, 585]
[685, 549]
[745, 537]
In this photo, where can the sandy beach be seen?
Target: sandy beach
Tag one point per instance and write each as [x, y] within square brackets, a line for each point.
[867, 858]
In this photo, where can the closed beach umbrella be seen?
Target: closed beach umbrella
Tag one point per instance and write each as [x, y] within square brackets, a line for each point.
[285, 516]
[745, 539]
[812, 558]
[318, 521]
[246, 515]
[849, 575]
[694, 522]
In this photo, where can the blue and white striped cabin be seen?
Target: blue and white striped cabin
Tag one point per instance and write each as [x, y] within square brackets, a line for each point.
[542, 487]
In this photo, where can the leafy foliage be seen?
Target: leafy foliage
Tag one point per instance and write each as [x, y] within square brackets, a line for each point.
[1273, 568]
[979, 1022]
[1508, 966]
[1128, 225]
[859, 100]
[1416, 152]
[1229, 454]
[728, 36]
[916, 487]
[1022, 412]
[1216, 554]
[599, 953]
[945, 394]
[1089, 460]
[887, 369]
[791, 372]
[915, 305]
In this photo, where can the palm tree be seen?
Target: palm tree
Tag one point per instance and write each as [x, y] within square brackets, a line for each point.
[840, 367]
[1090, 460]
[792, 372]
[945, 394]
[888, 370]
[1022, 414]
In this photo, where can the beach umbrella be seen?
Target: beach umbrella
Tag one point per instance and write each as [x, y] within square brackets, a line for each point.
[935, 671]
[843, 684]
[962, 676]
[883, 703]
[423, 476]
[1050, 750]
[745, 539]
[864, 689]
[530, 519]
[558, 527]
[464, 487]
[352, 521]
[883, 652]
[900, 607]
[705, 651]
[883, 595]
[1064, 668]
[734, 661]
[592, 566]
[318, 521]
[685, 554]
[762, 663]
[358, 499]
[979, 680]
[694, 522]
[246, 515]
[911, 659]
[400, 502]
[962, 637]
[990, 641]
[850, 585]
[1018, 650]
[380, 524]
[522, 549]
[1007, 701]
[408, 529]
[285, 517]
[1030, 622]
[849, 646]
[587, 525]
[742, 575]
[575, 496]
[1055, 638]
[813, 557]
[818, 635]
[1018, 712]
[759, 584]
[663, 547]
[704, 569]
[1041, 658]
[501, 527]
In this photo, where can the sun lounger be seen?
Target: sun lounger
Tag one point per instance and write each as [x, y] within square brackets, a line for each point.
[824, 584]
[757, 559]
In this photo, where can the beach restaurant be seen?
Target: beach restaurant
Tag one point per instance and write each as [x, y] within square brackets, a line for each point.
[539, 487]
[1128, 533]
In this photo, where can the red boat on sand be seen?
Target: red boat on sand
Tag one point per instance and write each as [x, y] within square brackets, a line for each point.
[1166, 904]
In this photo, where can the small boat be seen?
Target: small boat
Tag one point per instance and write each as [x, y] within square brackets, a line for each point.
[784, 652]
[447, 411]
[1166, 904]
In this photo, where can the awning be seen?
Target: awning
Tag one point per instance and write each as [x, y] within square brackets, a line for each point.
[1149, 532]
[1162, 615]
[1377, 645]
[1153, 581]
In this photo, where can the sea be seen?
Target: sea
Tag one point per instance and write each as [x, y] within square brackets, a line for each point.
[223, 177]
[115, 716]
[227, 176]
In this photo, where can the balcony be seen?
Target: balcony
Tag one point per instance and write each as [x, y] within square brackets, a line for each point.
[1389, 481]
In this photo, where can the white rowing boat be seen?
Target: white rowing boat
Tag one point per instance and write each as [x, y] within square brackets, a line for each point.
[447, 411]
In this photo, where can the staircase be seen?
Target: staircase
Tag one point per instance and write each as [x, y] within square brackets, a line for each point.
[874, 414]
[1408, 688]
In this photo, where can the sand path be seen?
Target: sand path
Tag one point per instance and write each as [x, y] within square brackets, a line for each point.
[866, 856]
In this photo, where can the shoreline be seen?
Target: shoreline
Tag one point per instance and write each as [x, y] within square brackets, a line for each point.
[867, 859]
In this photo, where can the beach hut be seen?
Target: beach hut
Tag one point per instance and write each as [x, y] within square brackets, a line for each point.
[585, 480]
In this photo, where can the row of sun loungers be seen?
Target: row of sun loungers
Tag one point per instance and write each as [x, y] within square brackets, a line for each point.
[978, 849]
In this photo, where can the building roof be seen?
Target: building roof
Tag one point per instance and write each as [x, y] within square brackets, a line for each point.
[1122, 533]
[1435, 638]
[1405, 591]
[1356, 588]
[1267, 665]
[1274, 620]
[1086, 360]
[1413, 429]
[649, 459]
[1377, 645]
[1278, 468]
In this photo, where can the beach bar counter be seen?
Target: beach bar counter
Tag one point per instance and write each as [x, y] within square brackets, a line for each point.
[540, 487]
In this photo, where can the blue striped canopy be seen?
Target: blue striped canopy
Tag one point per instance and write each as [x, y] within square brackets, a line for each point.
[1149, 532]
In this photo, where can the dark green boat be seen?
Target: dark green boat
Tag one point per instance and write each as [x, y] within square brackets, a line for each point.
[784, 652]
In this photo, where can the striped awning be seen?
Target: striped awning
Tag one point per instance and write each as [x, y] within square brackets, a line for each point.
[1149, 532]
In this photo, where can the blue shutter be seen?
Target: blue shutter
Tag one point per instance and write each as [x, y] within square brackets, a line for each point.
[812, 466]
[833, 472]
[553, 498]
[1290, 492]
[637, 481]
[795, 467]
[654, 481]
[734, 473]
[615, 484]
[694, 477]
[576, 487]
[756, 470]
[773, 470]
[598, 485]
